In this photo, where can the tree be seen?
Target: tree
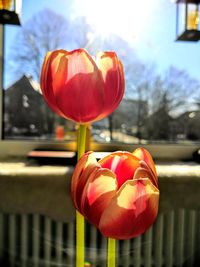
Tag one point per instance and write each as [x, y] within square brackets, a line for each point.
[44, 32]
[81, 33]
[168, 97]
[180, 89]
[139, 79]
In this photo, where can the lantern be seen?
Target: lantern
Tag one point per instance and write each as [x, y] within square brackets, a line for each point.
[187, 20]
[10, 11]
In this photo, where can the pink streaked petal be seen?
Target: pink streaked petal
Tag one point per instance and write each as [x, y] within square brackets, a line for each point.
[143, 154]
[123, 164]
[86, 175]
[98, 192]
[113, 76]
[79, 89]
[81, 99]
[46, 82]
[79, 62]
[132, 211]
[84, 167]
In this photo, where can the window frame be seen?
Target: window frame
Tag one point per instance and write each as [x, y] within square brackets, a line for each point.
[160, 152]
[1, 78]
[19, 148]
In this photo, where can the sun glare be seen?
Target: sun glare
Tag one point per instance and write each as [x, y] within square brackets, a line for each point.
[125, 18]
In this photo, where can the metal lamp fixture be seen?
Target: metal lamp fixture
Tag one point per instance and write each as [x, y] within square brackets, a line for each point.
[10, 11]
[187, 20]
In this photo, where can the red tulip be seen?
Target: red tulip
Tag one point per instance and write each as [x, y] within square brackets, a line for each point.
[80, 88]
[118, 194]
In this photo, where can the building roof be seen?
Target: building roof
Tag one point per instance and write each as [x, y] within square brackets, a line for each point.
[24, 82]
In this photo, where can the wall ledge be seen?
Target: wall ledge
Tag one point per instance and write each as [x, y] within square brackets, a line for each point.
[27, 188]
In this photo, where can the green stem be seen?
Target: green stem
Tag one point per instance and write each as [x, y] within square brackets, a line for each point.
[79, 218]
[111, 252]
[81, 140]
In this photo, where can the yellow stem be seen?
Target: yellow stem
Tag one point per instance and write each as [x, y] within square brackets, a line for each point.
[80, 224]
[111, 252]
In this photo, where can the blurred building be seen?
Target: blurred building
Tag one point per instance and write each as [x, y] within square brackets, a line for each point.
[25, 112]
[188, 125]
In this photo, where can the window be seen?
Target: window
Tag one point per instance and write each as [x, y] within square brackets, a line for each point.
[161, 103]
[160, 110]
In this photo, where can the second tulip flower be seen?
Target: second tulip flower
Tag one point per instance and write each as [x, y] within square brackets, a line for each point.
[118, 194]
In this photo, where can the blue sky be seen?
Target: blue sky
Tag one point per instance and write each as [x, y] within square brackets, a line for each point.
[150, 29]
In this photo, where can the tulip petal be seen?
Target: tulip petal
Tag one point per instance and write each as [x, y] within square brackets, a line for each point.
[145, 172]
[98, 192]
[113, 76]
[79, 87]
[123, 164]
[142, 173]
[152, 176]
[132, 211]
[46, 81]
[144, 155]
[85, 166]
